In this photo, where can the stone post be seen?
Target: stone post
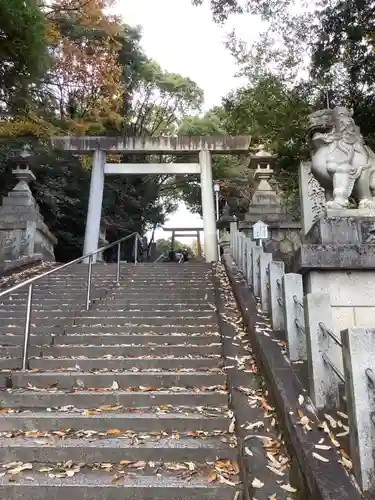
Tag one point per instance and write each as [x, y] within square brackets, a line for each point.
[359, 368]
[294, 316]
[276, 305]
[208, 207]
[264, 262]
[233, 231]
[249, 264]
[256, 252]
[322, 346]
[94, 210]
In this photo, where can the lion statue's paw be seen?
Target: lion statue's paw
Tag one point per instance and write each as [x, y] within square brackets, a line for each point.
[337, 204]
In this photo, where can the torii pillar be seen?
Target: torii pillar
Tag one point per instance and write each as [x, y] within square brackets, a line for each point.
[208, 207]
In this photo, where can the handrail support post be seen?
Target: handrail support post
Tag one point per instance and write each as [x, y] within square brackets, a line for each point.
[118, 263]
[25, 357]
[89, 279]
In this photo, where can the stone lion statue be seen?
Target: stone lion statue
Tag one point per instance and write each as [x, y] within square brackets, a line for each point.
[341, 162]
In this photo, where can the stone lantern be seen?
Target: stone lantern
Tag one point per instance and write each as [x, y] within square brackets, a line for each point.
[22, 171]
[23, 232]
[265, 202]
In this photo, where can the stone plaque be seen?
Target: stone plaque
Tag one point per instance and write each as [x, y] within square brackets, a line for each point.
[312, 196]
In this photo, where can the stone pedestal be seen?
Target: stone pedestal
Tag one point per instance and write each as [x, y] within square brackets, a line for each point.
[224, 242]
[266, 205]
[23, 232]
[338, 257]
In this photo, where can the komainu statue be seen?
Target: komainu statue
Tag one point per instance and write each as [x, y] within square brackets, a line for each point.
[341, 162]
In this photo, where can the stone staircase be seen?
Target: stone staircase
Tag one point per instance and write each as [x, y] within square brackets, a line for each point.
[124, 401]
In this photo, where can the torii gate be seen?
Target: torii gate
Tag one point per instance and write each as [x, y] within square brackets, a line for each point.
[203, 147]
[186, 232]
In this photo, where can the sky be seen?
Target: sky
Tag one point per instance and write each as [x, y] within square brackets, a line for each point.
[185, 40]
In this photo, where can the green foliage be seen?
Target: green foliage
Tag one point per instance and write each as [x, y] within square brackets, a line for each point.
[23, 47]
[165, 246]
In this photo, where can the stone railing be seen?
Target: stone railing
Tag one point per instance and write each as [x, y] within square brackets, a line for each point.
[333, 359]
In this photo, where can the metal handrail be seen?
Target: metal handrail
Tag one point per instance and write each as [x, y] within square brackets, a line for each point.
[31, 281]
[160, 257]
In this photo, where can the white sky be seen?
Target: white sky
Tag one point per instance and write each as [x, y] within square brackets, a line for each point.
[185, 40]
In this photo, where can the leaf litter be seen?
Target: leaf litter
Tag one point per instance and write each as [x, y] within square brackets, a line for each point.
[276, 461]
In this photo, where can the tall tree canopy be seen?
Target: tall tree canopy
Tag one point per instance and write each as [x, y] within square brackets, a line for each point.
[309, 55]
[98, 80]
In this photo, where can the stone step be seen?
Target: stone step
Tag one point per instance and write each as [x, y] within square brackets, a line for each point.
[138, 336]
[99, 485]
[112, 314]
[67, 351]
[123, 322]
[136, 422]
[124, 380]
[161, 301]
[113, 450]
[128, 321]
[187, 336]
[151, 308]
[20, 398]
[125, 364]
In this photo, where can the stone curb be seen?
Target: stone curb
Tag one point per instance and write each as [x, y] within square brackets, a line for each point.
[22, 263]
[322, 481]
[254, 466]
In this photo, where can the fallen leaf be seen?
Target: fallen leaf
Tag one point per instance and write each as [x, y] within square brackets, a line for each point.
[288, 488]
[275, 471]
[20, 468]
[322, 447]
[347, 463]
[232, 426]
[301, 399]
[125, 462]
[257, 483]
[138, 465]
[212, 477]
[113, 432]
[319, 457]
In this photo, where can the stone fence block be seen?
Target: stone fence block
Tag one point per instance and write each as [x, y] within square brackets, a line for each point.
[256, 252]
[249, 265]
[264, 261]
[276, 271]
[358, 347]
[233, 231]
[324, 351]
[241, 258]
[237, 248]
[294, 316]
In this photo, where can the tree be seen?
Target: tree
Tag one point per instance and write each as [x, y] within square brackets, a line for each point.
[23, 50]
[165, 246]
[161, 100]
[99, 81]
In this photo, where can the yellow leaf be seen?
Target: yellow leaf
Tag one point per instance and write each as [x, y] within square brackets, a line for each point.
[113, 432]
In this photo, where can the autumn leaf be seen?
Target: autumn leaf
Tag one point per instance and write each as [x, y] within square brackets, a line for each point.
[212, 477]
[113, 432]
